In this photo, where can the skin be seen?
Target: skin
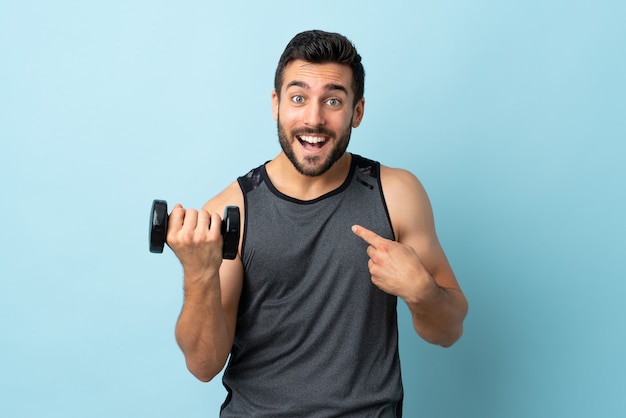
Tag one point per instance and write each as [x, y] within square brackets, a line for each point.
[316, 103]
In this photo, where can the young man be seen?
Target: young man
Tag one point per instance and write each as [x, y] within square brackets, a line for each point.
[330, 240]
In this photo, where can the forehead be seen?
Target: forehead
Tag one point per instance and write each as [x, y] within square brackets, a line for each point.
[317, 75]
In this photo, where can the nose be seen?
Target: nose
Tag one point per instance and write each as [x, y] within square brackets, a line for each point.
[314, 114]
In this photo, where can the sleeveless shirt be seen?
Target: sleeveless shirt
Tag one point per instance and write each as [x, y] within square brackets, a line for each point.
[314, 336]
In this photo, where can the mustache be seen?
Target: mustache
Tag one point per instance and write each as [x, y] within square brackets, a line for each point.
[318, 130]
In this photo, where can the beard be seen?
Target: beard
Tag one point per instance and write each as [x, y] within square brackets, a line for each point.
[314, 165]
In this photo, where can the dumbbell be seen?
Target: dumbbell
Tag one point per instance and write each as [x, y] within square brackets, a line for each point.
[158, 229]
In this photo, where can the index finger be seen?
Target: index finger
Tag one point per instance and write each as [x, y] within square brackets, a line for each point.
[366, 235]
[176, 216]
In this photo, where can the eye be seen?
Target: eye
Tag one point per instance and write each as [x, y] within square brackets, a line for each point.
[333, 102]
[297, 99]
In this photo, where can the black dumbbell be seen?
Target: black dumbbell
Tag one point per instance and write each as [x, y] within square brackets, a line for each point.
[158, 229]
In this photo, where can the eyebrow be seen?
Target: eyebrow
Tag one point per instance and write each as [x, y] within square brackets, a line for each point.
[327, 87]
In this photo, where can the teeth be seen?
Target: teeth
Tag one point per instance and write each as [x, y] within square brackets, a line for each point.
[313, 139]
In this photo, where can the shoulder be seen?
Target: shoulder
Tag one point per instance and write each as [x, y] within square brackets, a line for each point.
[407, 202]
[230, 270]
[398, 178]
[230, 196]
[233, 194]
[402, 187]
[392, 179]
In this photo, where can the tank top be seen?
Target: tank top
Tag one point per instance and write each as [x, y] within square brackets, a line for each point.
[314, 336]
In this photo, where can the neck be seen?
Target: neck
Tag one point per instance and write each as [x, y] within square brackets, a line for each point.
[292, 183]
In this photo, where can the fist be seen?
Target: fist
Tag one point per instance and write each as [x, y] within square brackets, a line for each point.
[196, 239]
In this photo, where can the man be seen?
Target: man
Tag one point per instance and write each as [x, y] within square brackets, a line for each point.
[307, 310]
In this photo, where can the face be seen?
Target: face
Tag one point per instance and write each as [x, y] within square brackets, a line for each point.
[315, 114]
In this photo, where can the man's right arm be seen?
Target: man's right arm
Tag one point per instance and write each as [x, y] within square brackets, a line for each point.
[205, 329]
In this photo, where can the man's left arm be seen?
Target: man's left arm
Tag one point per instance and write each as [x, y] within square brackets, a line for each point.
[415, 267]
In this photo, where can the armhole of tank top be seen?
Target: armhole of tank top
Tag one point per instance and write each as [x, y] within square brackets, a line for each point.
[384, 201]
[244, 227]
[359, 161]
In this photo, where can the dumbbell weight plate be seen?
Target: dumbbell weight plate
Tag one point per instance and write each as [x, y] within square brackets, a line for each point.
[158, 225]
[230, 232]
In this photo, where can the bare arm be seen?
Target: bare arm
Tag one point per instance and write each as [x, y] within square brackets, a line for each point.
[205, 329]
[415, 267]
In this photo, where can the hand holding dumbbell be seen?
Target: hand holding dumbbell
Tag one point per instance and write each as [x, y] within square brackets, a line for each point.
[158, 229]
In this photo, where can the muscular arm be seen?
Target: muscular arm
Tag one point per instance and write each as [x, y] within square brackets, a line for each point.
[415, 267]
[205, 329]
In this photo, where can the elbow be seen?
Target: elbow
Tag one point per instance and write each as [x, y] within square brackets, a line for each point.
[203, 378]
[204, 369]
[204, 364]
[443, 337]
[445, 340]
[456, 333]
[203, 373]
[452, 338]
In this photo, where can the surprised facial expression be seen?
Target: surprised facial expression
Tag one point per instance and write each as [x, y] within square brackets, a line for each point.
[315, 114]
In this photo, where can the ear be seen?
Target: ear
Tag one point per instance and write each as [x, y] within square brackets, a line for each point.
[275, 105]
[357, 116]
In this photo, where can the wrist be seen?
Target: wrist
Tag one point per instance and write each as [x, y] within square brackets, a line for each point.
[200, 287]
[424, 296]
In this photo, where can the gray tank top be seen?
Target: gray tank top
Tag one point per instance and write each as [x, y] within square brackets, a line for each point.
[314, 337]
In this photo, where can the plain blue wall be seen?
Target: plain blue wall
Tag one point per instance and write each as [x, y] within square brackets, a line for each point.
[511, 113]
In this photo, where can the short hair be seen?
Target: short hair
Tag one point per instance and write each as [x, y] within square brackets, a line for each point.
[319, 47]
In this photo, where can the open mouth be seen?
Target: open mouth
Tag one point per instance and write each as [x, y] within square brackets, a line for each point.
[312, 142]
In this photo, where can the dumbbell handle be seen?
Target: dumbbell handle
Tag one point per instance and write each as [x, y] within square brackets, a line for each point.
[230, 229]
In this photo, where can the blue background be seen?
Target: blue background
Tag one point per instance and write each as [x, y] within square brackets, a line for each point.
[511, 113]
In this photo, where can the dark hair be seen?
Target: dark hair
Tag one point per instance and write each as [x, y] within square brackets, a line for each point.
[319, 47]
